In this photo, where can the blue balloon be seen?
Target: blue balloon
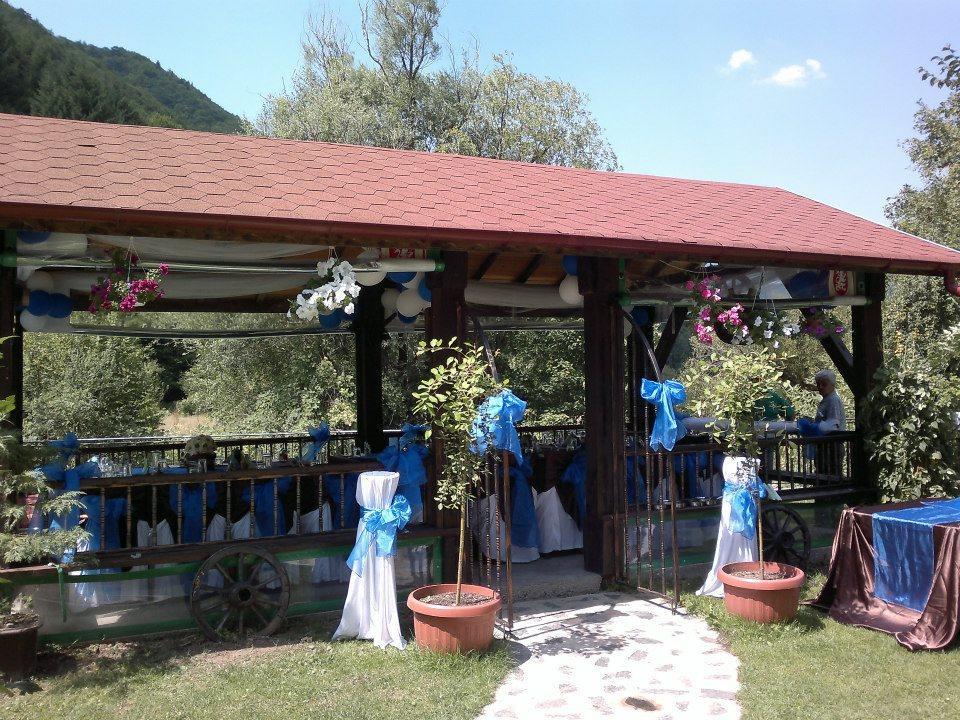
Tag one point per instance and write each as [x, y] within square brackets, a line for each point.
[406, 320]
[570, 264]
[401, 277]
[39, 302]
[32, 237]
[424, 291]
[641, 316]
[60, 305]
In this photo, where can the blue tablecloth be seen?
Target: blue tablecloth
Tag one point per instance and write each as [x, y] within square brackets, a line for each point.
[903, 551]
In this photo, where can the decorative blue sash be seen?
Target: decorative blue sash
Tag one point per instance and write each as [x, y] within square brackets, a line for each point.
[576, 475]
[58, 472]
[524, 529]
[321, 436]
[380, 527]
[743, 505]
[496, 418]
[903, 560]
[263, 505]
[351, 510]
[663, 396]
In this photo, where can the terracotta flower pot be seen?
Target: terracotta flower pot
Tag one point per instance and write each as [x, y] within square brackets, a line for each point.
[762, 601]
[19, 655]
[453, 629]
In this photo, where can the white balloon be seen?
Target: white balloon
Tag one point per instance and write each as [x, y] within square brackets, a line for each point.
[368, 279]
[414, 281]
[409, 303]
[40, 280]
[570, 290]
[389, 300]
[31, 322]
[627, 328]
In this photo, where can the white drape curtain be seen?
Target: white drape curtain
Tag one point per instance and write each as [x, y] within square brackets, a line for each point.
[370, 611]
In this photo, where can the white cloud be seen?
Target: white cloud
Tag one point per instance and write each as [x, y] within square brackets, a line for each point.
[794, 75]
[739, 58]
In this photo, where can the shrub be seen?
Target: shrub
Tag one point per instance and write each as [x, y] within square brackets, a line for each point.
[910, 433]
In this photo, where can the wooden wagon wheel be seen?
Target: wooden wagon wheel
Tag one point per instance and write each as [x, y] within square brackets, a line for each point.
[238, 591]
[786, 537]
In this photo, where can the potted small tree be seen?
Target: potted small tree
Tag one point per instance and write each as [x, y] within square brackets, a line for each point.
[731, 388]
[454, 617]
[25, 495]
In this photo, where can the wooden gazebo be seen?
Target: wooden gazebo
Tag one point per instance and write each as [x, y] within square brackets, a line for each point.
[498, 228]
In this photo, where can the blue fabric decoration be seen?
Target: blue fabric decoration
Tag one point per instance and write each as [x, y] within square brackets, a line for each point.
[60, 305]
[809, 428]
[903, 551]
[38, 302]
[193, 508]
[351, 509]
[263, 505]
[380, 526]
[424, 291]
[571, 264]
[496, 418]
[58, 472]
[406, 458]
[666, 429]
[321, 436]
[576, 475]
[401, 277]
[743, 505]
[524, 529]
[109, 540]
[809, 284]
[32, 237]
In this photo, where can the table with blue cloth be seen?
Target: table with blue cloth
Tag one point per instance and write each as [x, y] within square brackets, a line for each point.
[896, 568]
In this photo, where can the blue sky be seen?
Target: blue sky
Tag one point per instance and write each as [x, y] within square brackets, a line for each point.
[817, 104]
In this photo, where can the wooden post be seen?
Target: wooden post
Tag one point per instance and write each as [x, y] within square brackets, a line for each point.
[867, 343]
[368, 336]
[446, 318]
[604, 371]
[11, 365]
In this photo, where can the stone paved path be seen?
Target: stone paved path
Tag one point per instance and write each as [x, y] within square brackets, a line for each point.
[615, 655]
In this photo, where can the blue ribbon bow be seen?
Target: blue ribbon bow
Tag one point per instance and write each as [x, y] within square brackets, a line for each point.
[320, 435]
[380, 526]
[496, 419]
[666, 429]
[406, 458]
[743, 505]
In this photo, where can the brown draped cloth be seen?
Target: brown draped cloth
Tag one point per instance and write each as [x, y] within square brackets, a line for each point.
[848, 595]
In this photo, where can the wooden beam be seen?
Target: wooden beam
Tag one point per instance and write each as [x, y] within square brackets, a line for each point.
[867, 342]
[11, 364]
[671, 331]
[487, 263]
[446, 318]
[369, 337]
[530, 269]
[604, 371]
[842, 359]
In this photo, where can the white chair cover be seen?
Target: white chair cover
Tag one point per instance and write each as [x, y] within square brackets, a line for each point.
[370, 611]
[558, 531]
[731, 547]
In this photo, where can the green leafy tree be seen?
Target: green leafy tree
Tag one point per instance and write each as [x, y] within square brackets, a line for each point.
[918, 311]
[910, 433]
[93, 386]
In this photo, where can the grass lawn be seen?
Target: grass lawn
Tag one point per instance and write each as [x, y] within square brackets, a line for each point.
[296, 675]
[815, 668]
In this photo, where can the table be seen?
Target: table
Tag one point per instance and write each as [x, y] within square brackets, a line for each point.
[850, 594]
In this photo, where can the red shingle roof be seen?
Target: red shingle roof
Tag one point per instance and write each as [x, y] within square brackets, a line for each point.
[64, 170]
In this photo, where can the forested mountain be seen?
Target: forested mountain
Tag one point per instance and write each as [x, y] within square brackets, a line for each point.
[43, 74]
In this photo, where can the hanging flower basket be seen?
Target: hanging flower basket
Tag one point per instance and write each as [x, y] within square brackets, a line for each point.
[128, 286]
[339, 292]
